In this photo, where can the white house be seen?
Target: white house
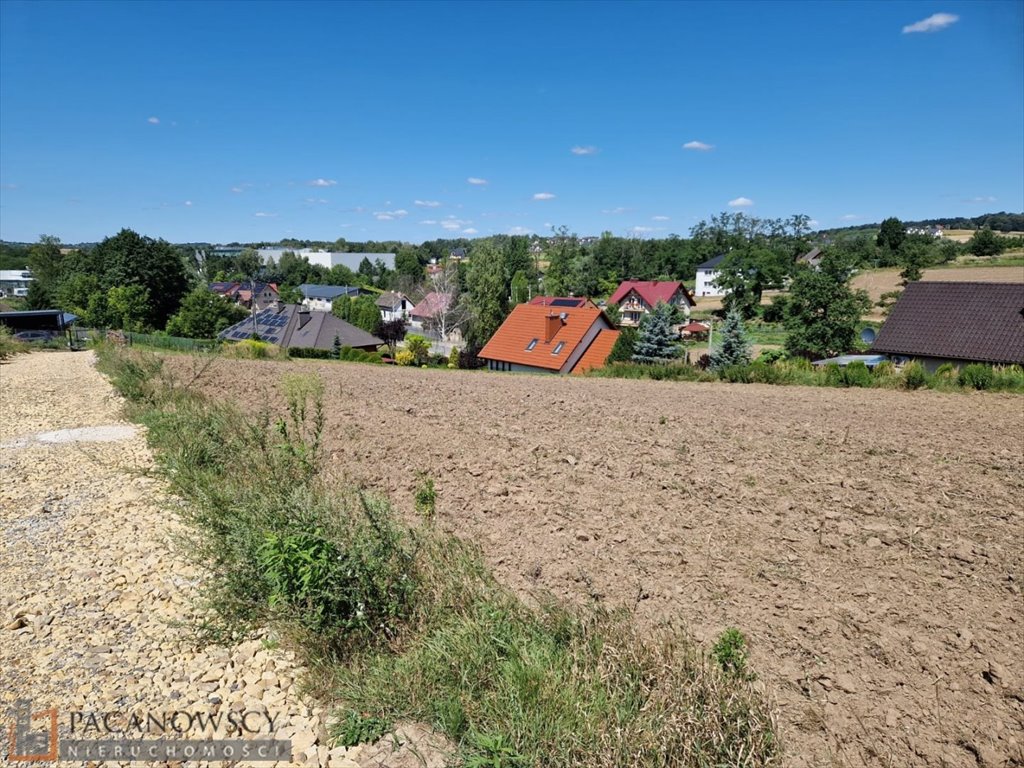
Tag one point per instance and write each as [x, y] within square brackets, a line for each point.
[707, 274]
[15, 282]
[320, 298]
[394, 306]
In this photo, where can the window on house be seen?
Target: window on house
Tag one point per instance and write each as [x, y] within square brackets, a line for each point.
[558, 348]
[531, 345]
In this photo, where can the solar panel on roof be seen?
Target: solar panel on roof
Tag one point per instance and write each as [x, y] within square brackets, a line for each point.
[565, 303]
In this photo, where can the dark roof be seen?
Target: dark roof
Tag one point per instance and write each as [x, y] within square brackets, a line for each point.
[38, 319]
[712, 263]
[812, 257]
[289, 326]
[981, 322]
[327, 292]
[561, 301]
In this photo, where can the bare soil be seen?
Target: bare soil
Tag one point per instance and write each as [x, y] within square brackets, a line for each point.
[870, 543]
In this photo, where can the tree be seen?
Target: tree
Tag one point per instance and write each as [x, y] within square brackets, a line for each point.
[520, 289]
[391, 332]
[204, 314]
[656, 342]
[418, 346]
[128, 259]
[487, 296]
[733, 347]
[128, 307]
[449, 312]
[44, 261]
[891, 234]
[823, 312]
[914, 256]
[985, 242]
[625, 345]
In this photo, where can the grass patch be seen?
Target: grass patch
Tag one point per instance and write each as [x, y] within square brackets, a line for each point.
[400, 622]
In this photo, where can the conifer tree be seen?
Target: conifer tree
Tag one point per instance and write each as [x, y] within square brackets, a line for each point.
[657, 340]
[734, 348]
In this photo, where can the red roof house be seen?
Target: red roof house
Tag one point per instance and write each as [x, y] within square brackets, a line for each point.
[539, 339]
[638, 297]
[562, 301]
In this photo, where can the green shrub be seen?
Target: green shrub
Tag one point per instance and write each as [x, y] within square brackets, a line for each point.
[914, 375]
[976, 376]
[359, 728]
[1008, 378]
[946, 371]
[312, 353]
[426, 497]
[834, 376]
[730, 652]
[770, 356]
[857, 374]
[8, 346]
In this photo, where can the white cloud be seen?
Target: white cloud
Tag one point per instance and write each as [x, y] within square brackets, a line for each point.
[584, 150]
[618, 210]
[237, 190]
[428, 203]
[544, 196]
[849, 217]
[476, 182]
[660, 218]
[390, 215]
[641, 230]
[153, 121]
[264, 215]
[469, 231]
[981, 199]
[384, 217]
[933, 23]
[322, 183]
[741, 202]
[812, 223]
[452, 223]
[188, 203]
[314, 200]
[520, 231]
[699, 146]
[429, 221]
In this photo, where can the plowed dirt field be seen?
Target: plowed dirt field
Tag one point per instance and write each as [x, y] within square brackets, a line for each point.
[870, 543]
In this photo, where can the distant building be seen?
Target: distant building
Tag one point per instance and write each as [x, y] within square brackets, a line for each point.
[245, 293]
[707, 275]
[321, 298]
[15, 282]
[293, 326]
[394, 306]
[812, 258]
[636, 298]
[539, 339]
[328, 259]
[574, 302]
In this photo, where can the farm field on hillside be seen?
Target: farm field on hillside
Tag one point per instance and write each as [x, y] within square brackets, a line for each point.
[867, 541]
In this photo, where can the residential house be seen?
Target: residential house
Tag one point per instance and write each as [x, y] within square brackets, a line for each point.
[707, 275]
[638, 297]
[394, 306]
[320, 298]
[458, 254]
[812, 258]
[15, 282]
[246, 293]
[539, 339]
[959, 323]
[431, 315]
[562, 301]
[293, 325]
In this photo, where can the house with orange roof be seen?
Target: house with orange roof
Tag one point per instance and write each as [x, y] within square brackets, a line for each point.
[636, 298]
[543, 339]
[562, 301]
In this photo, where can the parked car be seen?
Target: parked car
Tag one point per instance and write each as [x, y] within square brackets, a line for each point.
[34, 336]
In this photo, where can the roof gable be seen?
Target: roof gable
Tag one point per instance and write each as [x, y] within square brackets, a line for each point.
[983, 322]
[527, 324]
[651, 291]
[597, 353]
[711, 263]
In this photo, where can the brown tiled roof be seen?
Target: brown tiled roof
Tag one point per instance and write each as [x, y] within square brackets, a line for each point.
[981, 322]
[527, 322]
[597, 353]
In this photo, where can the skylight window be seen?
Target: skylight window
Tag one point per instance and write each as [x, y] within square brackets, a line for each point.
[558, 348]
[531, 345]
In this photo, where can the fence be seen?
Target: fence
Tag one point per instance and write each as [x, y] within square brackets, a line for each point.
[148, 339]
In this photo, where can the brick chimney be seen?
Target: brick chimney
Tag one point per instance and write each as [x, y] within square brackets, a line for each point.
[552, 324]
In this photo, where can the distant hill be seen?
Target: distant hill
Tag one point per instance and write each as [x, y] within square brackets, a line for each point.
[997, 222]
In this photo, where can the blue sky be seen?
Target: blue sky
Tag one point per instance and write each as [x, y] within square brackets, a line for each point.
[255, 121]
